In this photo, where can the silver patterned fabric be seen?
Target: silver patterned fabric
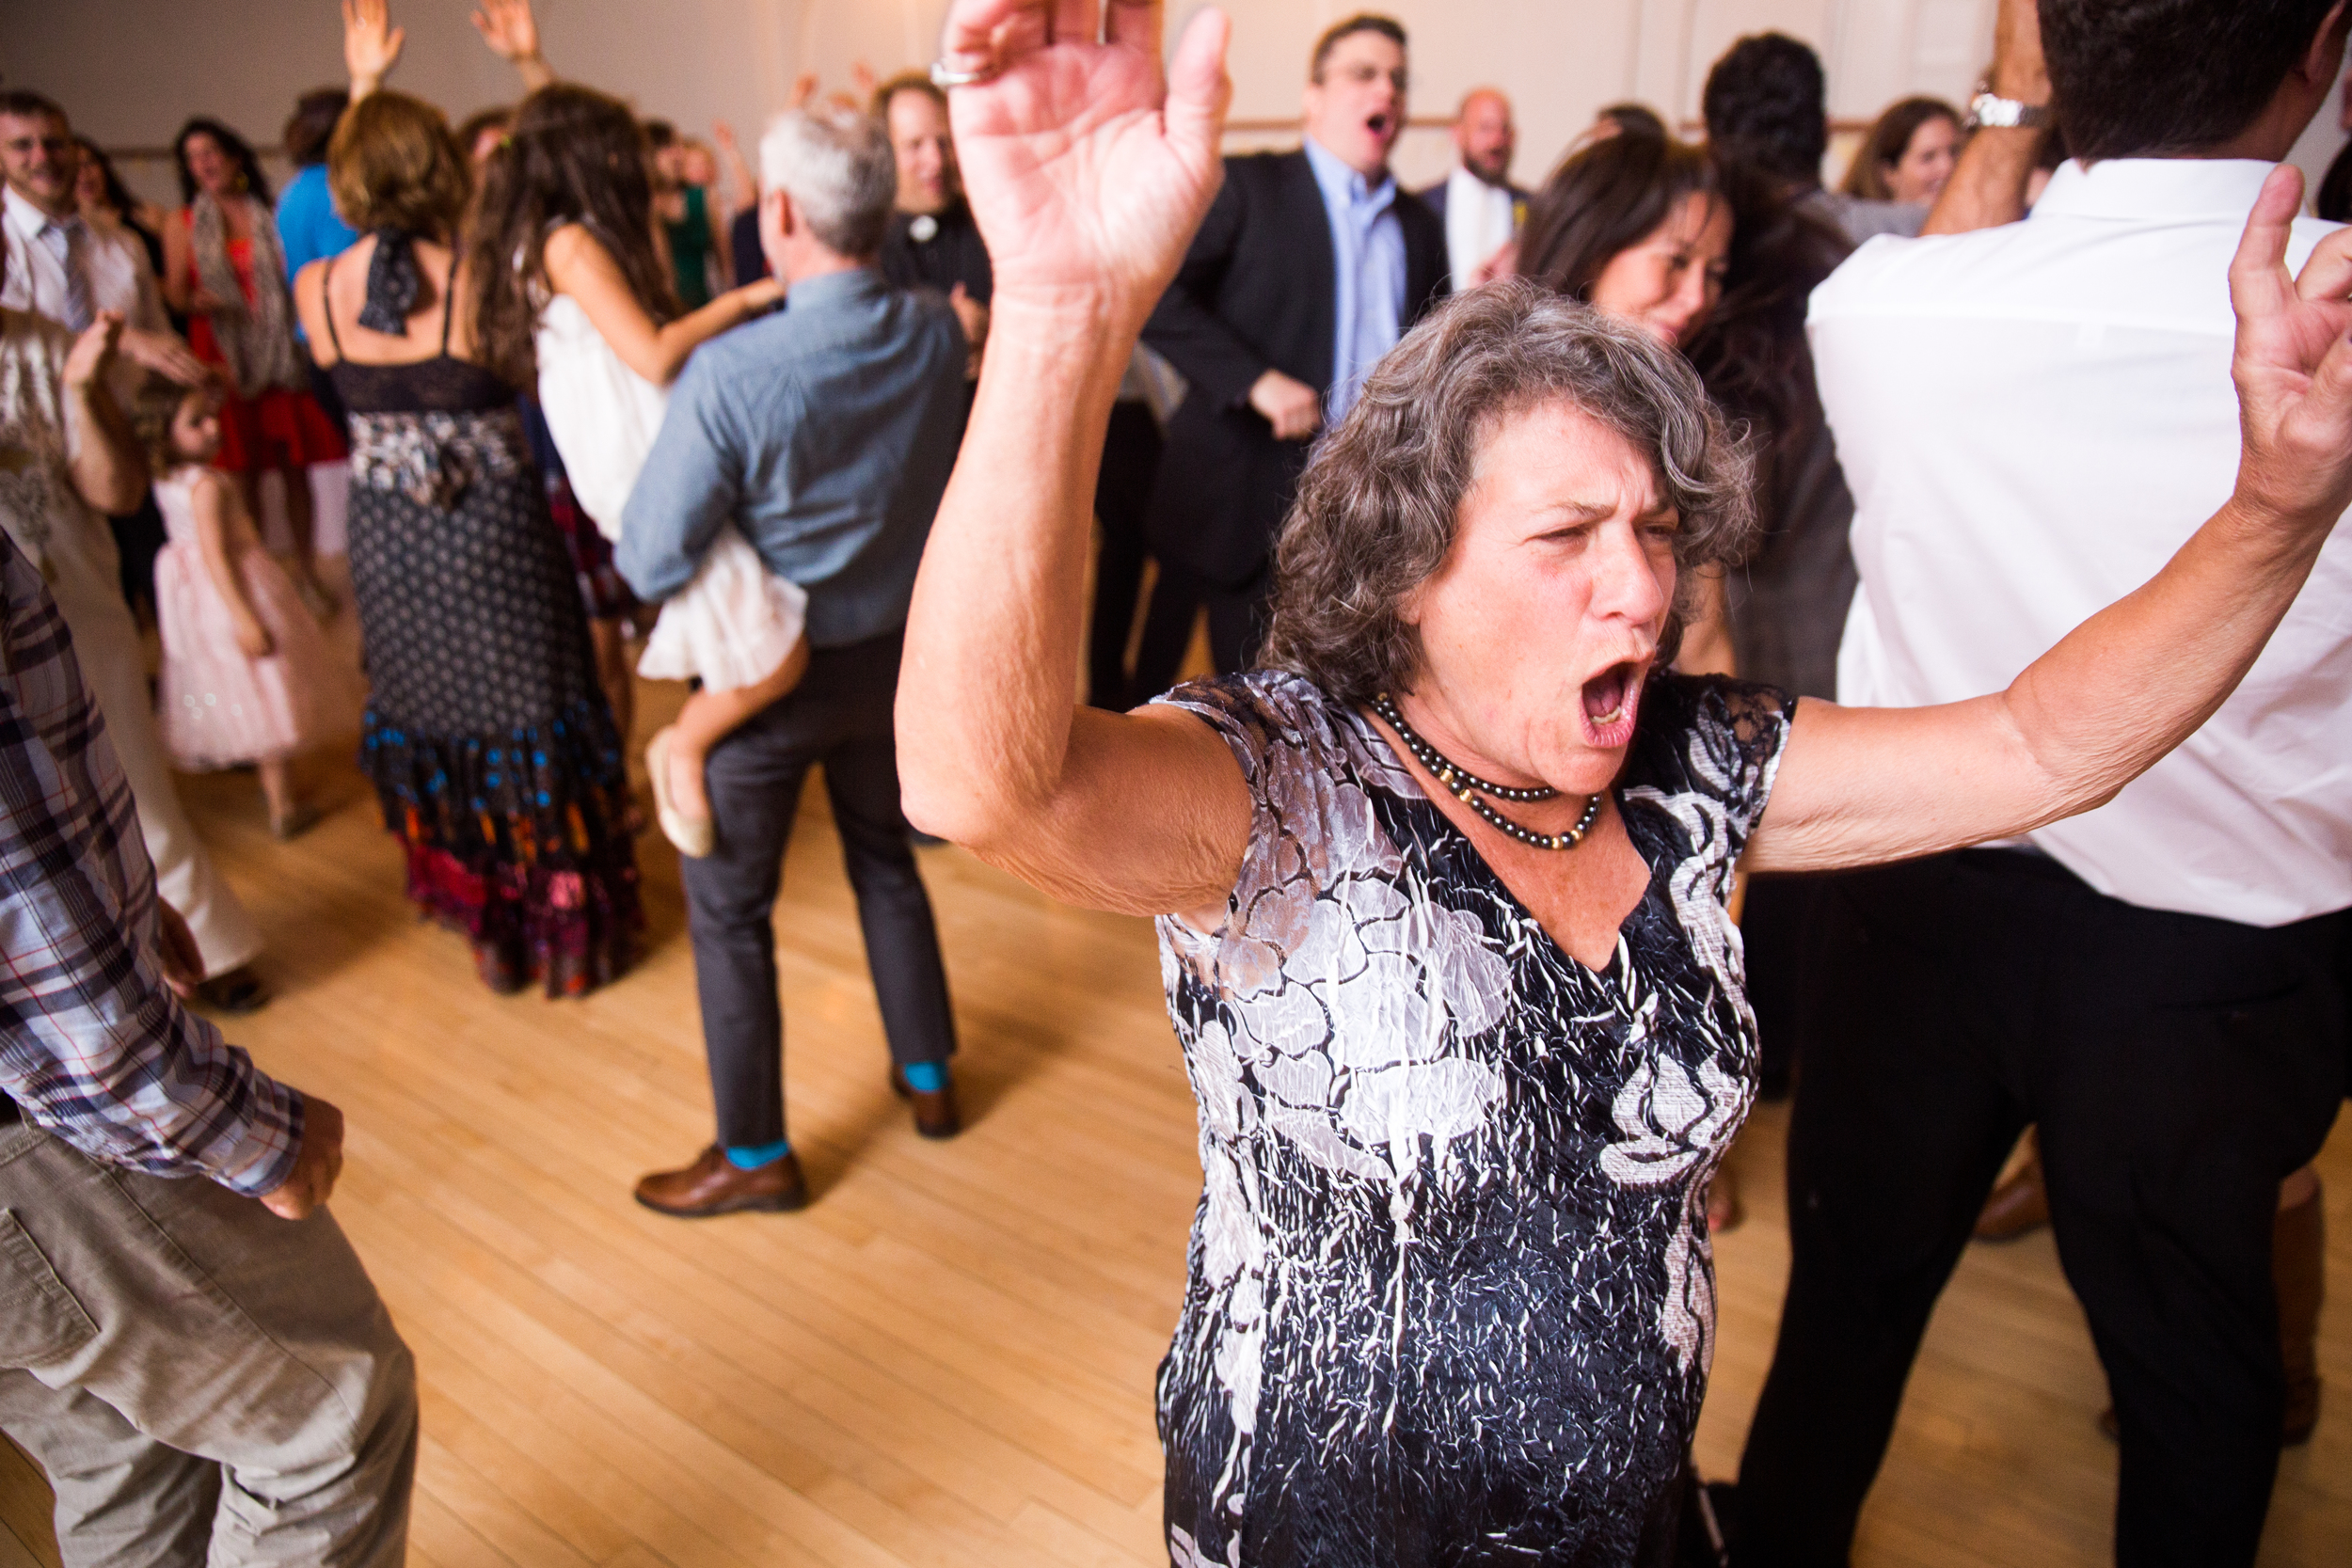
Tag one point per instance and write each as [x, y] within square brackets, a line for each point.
[1451, 1298]
[434, 458]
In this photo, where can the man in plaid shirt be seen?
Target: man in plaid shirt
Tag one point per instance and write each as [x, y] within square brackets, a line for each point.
[203, 1376]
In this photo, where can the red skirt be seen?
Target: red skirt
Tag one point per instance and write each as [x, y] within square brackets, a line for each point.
[279, 429]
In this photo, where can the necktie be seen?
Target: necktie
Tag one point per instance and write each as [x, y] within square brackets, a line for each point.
[61, 240]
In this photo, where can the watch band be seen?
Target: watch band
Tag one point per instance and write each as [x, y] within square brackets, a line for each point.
[1991, 109]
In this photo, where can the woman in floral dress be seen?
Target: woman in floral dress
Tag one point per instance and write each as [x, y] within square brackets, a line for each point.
[1441, 890]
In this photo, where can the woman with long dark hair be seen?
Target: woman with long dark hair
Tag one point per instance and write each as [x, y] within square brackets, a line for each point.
[587, 309]
[224, 269]
[490, 742]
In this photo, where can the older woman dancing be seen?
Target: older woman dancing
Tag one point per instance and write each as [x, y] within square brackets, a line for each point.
[1441, 890]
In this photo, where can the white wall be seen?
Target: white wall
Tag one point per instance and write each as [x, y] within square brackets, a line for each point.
[130, 70]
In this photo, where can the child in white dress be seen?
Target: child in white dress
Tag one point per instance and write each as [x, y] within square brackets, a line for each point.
[246, 675]
[567, 196]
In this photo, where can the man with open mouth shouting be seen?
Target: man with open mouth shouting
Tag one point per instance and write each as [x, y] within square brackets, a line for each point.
[1441, 886]
[1307, 269]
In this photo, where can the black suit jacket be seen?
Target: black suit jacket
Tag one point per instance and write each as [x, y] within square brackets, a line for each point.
[1256, 293]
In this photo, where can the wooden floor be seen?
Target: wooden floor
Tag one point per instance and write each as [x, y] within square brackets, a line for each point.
[947, 1359]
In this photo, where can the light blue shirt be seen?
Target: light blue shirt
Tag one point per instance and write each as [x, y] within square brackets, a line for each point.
[824, 434]
[1368, 254]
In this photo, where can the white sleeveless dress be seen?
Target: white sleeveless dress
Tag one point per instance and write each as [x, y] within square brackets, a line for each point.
[736, 621]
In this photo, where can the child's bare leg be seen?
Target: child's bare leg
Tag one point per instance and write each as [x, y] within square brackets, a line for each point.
[709, 717]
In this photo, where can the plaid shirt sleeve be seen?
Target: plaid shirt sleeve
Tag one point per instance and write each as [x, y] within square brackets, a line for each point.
[94, 1047]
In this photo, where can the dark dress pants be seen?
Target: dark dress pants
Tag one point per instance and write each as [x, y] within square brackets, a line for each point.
[1123, 495]
[2180, 1068]
[1237, 625]
[839, 717]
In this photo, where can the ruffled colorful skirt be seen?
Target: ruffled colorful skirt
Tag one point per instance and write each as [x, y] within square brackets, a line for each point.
[490, 742]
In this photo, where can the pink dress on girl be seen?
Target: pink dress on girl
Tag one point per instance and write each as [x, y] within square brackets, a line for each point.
[220, 707]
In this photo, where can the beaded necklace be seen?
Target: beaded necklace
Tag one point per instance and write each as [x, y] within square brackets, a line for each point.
[1471, 790]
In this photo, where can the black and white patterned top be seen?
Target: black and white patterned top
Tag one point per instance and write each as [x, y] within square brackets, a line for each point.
[1451, 1298]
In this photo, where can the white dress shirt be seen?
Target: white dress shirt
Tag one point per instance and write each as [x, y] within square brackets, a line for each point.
[114, 267]
[2033, 418]
[1480, 220]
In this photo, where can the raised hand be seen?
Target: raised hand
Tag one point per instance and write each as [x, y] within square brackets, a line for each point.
[513, 34]
[93, 351]
[508, 27]
[1087, 170]
[2293, 365]
[371, 44]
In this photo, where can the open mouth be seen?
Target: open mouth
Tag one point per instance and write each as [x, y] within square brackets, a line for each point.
[1379, 124]
[1608, 701]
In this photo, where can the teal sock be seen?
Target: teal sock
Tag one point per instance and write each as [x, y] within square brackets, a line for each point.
[752, 1156]
[926, 1077]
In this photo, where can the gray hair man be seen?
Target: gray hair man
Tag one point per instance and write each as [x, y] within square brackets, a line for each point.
[825, 434]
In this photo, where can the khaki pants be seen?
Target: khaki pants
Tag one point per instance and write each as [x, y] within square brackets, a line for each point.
[203, 1382]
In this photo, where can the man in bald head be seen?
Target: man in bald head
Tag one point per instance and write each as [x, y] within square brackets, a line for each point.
[1482, 210]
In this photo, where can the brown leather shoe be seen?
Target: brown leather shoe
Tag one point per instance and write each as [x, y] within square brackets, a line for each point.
[935, 1113]
[2018, 1207]
[713, 1184]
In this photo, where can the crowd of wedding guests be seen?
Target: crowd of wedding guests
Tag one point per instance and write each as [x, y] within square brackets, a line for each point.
[614, 403]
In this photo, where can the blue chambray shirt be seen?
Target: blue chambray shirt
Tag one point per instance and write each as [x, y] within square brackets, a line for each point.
[825, 432]
[1368, 251]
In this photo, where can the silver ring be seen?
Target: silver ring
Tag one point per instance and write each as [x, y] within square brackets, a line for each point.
[947, 77]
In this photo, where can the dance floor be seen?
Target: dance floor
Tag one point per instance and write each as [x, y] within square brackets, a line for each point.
[947, 1358]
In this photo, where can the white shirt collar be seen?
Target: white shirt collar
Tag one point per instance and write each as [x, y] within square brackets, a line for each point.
[2143, 188]
[25, 218]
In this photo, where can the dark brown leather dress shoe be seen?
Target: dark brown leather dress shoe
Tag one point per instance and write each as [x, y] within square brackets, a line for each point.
[2018, 1207]
[713, 1184]
[935, 1113]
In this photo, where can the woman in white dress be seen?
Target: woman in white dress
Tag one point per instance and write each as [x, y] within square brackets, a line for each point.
[589, 305]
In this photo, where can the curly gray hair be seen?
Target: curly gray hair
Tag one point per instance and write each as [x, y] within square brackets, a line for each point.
[1380, 501]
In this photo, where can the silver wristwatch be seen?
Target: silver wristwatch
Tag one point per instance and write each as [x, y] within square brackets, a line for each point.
[1989, 108]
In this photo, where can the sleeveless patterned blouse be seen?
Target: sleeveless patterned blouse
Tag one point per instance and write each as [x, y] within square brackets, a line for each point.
[1451, 1298]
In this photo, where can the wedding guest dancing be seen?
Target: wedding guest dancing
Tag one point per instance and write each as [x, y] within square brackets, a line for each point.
[202, 1376]
[223, 267]
[2032, 417]
[101, 277]
[821, 434]
[1441, 889]
[487, 737]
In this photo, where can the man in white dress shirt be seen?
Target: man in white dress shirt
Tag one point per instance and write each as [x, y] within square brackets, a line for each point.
[1480, 206]
[2033, 417]
[60, 265]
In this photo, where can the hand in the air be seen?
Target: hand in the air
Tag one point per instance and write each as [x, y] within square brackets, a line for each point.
[93, 351]
[166, 355]
[1087, 169]
[371, 44]
[508, 27]
[2293, 364]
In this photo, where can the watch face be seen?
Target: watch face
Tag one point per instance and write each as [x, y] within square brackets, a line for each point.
[924, 229]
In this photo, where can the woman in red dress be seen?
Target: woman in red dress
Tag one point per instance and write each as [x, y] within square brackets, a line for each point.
[223, 269]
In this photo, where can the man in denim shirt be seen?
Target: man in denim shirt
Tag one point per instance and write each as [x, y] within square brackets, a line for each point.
[824, 434]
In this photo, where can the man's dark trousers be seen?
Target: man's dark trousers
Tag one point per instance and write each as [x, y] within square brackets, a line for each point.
[2179, 1068]
[839, 717]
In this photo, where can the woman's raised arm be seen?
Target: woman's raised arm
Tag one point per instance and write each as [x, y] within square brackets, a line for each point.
[1862, 785]
[1087, 173]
